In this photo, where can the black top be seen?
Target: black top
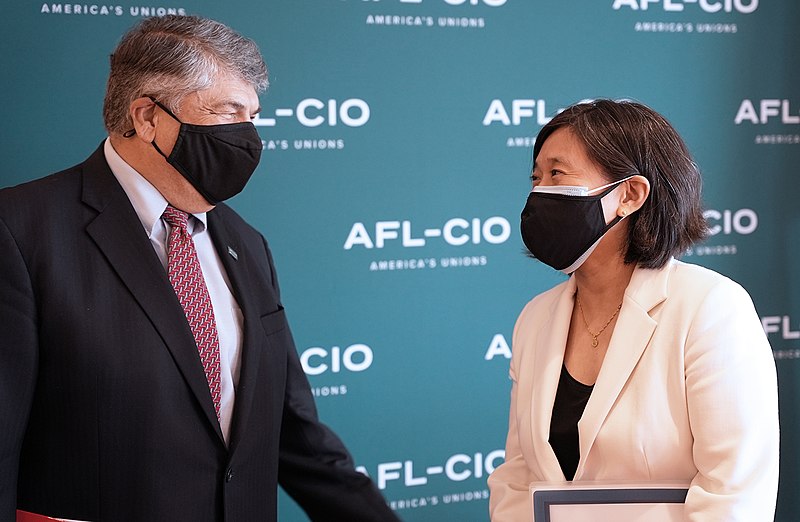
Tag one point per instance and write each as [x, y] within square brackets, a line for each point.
[571, 399]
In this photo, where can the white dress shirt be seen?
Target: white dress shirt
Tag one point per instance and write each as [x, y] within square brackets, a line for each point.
[149, 205]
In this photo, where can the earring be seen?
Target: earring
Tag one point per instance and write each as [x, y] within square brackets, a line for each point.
[623, 213]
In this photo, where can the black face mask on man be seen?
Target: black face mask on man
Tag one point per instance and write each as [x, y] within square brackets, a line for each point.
[217, 160]
[562, 225]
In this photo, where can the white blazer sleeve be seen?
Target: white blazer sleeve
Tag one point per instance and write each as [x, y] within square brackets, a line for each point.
[731, 393]
[509, 500]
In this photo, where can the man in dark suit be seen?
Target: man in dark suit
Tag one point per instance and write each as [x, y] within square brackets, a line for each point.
[147, 371]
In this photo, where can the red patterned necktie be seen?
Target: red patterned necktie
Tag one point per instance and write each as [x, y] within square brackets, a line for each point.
[187, 279]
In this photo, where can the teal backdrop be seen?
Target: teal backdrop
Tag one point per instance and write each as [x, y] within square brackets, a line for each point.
[398, 138]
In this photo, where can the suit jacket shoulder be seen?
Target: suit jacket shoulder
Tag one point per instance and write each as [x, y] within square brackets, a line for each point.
[40, 197]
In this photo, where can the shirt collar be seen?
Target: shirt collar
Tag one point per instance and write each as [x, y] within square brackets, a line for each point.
[147, 201]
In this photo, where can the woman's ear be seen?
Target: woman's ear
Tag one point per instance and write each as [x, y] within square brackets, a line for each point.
[635, 192]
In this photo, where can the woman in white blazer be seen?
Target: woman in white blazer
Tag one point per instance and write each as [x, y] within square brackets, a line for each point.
[638, 367]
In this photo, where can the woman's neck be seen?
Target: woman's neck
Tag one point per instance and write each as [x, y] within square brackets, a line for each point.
[603, 278]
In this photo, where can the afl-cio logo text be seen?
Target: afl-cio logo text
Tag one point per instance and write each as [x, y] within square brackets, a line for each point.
[743, 221]
[489, 3]
[708, 6]
[354, 358]
[312, 112]
[516, 112]
[455, 232]
[764, 111]
[456, 468]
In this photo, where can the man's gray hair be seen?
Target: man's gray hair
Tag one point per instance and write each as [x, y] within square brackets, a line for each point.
[172, 56]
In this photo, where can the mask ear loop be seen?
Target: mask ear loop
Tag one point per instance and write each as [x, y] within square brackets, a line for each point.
[153, 143]
[609, 185]
[164, 108]
[132, 132]
[578, 262]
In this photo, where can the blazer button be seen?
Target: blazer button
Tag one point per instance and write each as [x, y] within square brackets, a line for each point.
[229, 475]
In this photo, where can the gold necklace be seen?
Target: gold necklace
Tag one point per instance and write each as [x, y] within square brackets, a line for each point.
[594, 335]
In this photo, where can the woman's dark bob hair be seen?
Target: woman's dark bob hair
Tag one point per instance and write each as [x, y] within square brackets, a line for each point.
[626, 138]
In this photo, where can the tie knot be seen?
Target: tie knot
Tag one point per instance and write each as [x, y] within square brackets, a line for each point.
[175, 218]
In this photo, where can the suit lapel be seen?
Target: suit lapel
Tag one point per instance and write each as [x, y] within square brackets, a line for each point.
[118, 233]
[250, 290]
[632, 333]
[549, 351]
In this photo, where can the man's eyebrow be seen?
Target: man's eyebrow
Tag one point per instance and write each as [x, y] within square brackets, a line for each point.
[235, 105]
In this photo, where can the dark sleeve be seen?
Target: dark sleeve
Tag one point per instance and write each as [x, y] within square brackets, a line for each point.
[18, 361]
[315, 468]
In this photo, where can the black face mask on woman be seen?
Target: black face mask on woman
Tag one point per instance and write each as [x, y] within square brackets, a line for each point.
[217, 160]
[562, 225]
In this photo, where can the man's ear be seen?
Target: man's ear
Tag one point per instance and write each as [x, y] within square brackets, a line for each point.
[144, 117]
[635, 192]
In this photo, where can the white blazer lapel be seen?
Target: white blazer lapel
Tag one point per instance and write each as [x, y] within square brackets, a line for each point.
[631, 335]
[551, 342]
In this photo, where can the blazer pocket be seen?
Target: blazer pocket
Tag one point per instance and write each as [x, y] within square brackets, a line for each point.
[274, 322]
